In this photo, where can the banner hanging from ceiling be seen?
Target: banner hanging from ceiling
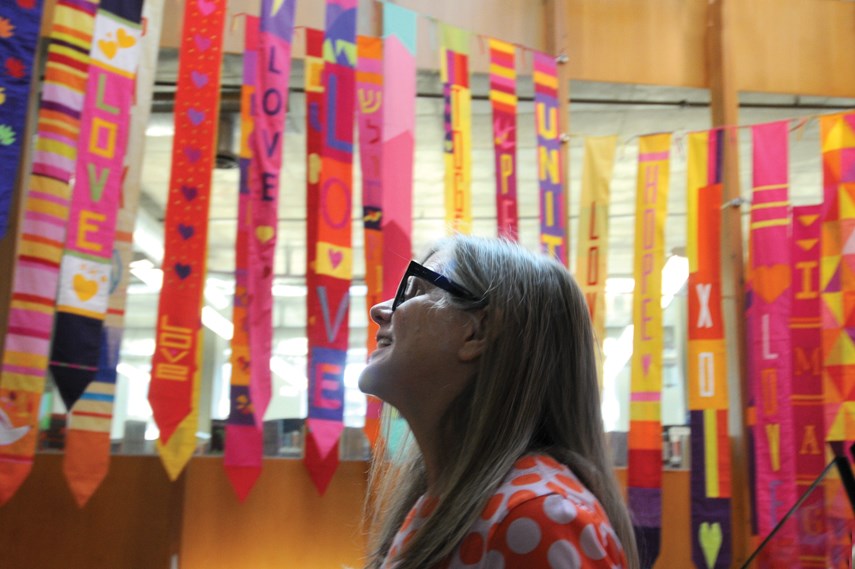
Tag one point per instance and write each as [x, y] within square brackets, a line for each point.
[553, 201]
[503, 97]
[592, 251]
[242, 455]
[333, 257]
[707, 356]
[454, 72]
[644, 472]
[369, 111]
[46, 202]
[20, 23]
[177, 362]
[770, 347]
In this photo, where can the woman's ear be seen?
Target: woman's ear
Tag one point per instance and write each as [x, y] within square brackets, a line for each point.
[476, 338]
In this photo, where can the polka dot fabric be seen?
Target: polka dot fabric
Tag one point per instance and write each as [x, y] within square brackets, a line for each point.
[541, 516]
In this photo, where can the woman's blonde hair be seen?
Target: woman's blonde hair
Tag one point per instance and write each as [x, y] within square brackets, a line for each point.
[535, 390]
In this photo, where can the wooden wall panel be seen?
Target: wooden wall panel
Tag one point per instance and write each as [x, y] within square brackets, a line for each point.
[132, 521]
[282, 523]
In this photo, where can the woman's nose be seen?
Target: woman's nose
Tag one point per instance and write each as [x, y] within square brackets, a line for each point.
[381, 312]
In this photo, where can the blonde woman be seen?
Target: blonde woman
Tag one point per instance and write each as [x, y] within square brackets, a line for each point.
[487, 352]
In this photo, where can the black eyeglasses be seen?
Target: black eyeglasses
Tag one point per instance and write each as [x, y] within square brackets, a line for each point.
[414, 269]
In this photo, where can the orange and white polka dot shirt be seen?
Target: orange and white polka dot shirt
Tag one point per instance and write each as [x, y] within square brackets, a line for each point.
[541, 516]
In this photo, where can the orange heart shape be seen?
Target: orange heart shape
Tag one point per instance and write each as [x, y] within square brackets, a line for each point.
[109, 48]
[125, 39]
[771, 281]
[84, 288]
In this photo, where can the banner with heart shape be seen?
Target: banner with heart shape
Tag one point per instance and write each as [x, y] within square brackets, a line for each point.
[45, 204]
[329, 275]
[644, 469]
[707, 355]
[88, 257]
[770, 348]
[176, 364]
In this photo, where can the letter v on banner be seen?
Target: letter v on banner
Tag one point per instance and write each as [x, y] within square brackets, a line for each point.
[329, 274]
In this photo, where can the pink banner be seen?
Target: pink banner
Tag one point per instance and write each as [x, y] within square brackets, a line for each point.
[274, 70]
[399, 117]
[244, 441]
[807, 398]
[770, 348]
[369, 111]
[503, 96]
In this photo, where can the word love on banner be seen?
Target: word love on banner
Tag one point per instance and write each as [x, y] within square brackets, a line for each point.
[273, 73]
[333, 256]
[176, 365]
[770, 342]
[644, 475]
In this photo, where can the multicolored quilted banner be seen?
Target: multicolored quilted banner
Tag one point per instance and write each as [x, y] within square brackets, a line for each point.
[41, 239]
[84, 276]
[333, 267]
[399, 118]
[19, 36]
[242, 456]
[837, 133]
[454, 72]
[87, 442]
[707, 356]
[770, 351]
[176, 365]
[807, 395]
[592, 251]
[553, 202]
[644, 473]
[503, 96]
[274, 73]
[369, 110]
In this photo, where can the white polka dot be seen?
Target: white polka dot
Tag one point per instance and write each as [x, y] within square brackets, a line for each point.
[562, 555]
[558, 509]
[590, 542]
[523, 535]
[495, 560]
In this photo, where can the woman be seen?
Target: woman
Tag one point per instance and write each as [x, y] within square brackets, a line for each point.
[487, 352]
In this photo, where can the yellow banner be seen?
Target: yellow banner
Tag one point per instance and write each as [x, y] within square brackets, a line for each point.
[593, 242]
[454, 70]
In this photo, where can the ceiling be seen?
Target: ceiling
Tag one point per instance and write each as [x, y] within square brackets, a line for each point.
[596, 109]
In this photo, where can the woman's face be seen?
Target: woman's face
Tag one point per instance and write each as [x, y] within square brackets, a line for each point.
[417, 367]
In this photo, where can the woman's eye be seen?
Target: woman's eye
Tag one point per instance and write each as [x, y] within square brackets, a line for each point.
[415, 287]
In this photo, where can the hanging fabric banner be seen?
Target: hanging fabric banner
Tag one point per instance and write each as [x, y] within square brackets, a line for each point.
[328, 313]
[837, 133]
[314, 88]
[592, 252]
[553, 202]
[707, 356]
[644, 472]
[807, 397]
[177, 361]
[87, 443]
[41, 239]
[19, 36]
[503, 96]
[274, 71]
[242, 456]
[84, 275]
[369, 109]
[770, 357]
[399, 121]
[454, 72]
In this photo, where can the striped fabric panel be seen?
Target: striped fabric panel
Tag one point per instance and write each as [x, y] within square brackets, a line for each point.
[46, 206]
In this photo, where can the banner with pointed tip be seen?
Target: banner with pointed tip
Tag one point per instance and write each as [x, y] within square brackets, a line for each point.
[41, 236]
[644, 472]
